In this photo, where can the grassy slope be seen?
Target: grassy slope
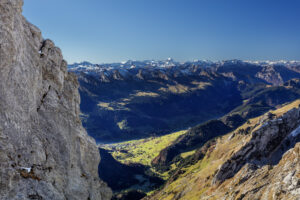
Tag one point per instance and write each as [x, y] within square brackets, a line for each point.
[194, 178]
[142, 151]
[194, 182]
[256, 102]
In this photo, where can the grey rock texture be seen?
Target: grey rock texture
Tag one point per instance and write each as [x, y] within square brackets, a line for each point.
[270, 75]
[261, 149]
[276, 182]
[44, 151]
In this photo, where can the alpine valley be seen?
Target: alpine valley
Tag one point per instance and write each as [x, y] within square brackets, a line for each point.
[194, 130]
[130, 100]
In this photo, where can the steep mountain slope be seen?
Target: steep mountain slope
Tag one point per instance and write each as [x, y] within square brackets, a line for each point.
[137, 99]
[261, 163]
[126, 166]
[272, 73]
[261, 101]
[126, 176]
[44, 151]
[158, 104]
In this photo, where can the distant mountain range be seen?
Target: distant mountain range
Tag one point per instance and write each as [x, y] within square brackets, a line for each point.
[137, 99]
[169, 63]
[111, 71]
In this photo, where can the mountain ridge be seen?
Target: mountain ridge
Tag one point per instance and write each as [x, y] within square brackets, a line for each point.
[122, 102]
[262, 163]
[130, 67]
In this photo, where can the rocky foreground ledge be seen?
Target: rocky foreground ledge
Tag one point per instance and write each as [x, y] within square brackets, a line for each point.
[44, 151]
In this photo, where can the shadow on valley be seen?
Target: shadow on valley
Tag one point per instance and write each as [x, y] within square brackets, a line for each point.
[121, 104]
[263, 100]
[121, 110]
[121, 177]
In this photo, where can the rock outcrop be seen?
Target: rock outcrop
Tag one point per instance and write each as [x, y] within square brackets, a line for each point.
[44, 151]
[270, 75]
[264, 142]
[278, 182]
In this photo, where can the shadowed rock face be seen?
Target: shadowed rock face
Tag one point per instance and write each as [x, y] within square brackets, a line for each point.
[44, 151]
[121, 176]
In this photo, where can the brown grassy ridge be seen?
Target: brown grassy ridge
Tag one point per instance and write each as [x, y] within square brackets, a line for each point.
[196, 181]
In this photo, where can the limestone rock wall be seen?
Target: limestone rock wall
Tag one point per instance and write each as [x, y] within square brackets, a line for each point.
[44, 151]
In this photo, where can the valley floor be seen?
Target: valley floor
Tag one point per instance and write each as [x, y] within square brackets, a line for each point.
[189, 178]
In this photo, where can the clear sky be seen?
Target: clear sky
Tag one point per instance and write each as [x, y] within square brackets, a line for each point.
[116, 30]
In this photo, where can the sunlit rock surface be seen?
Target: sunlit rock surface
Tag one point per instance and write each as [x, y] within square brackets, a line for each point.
[44, 151]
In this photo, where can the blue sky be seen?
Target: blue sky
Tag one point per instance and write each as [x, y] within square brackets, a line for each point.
[116, 30]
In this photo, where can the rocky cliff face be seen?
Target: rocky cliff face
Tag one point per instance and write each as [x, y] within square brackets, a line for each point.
[44, 151]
